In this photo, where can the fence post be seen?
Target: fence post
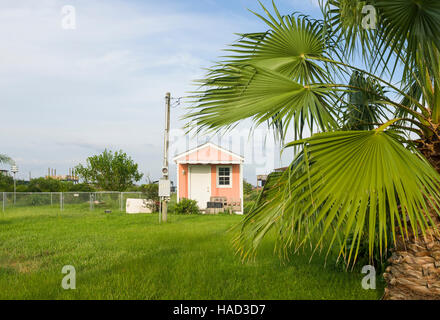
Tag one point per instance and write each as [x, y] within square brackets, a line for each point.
[90, 200]
[51, 199]
[121, 198]
[61, 201]
[3, 202]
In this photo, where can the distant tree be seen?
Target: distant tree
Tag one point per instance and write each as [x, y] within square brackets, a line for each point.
[79, 187]
[45, 185]
[22, 188]
[6, 183]
[247, 187]
[111, 171]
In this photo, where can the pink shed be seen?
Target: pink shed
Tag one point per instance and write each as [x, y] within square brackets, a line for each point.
[209, 171]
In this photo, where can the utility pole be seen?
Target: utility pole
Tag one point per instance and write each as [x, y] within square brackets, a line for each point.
[14, 170]
[165, 153]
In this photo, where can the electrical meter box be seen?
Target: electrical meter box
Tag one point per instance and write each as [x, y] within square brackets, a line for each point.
[164, 188]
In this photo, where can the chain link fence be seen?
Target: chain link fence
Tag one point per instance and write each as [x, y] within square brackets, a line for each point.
[107, 200]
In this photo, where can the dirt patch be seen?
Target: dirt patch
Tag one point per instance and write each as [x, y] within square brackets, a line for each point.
[19, 266]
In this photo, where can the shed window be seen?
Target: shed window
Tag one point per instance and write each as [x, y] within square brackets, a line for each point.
[224, 176]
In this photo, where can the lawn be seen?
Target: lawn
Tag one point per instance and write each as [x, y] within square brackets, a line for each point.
[119, 256]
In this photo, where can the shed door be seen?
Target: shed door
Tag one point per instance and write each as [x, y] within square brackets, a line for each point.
[200, 184]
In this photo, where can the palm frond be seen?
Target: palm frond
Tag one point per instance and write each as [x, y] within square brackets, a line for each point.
[362, 111]
[410, 30]
[343, 20]
[263, 95]
[5, 159]
[270, 77]
[345, 185]
[288, 47]
[406, 31]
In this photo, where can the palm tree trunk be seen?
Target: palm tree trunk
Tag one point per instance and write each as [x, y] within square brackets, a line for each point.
[414, 271]
[430, 148]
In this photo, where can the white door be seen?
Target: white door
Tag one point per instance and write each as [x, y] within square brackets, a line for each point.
[200, 184]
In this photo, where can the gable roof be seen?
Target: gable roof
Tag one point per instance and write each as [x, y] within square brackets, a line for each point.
[208, 153]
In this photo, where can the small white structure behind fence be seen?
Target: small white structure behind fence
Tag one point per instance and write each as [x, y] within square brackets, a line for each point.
[112, 200]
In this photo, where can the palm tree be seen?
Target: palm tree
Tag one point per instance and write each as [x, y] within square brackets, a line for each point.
[5, 159]
[371, 100]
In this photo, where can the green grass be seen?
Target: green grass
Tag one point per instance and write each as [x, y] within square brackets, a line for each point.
[119, 256]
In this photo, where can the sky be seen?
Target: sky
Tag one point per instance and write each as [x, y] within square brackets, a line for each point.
[66, 94]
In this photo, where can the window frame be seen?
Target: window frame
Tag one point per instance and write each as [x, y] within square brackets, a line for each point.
[218, 177]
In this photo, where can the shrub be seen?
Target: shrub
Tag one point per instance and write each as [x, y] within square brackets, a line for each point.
[79, 187]
[187, 206]
[151, 191]
[172, 203]
[21, 188]
[34, 200]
